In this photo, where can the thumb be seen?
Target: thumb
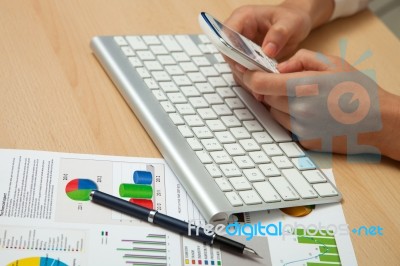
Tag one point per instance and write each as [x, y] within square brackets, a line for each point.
[276, 38]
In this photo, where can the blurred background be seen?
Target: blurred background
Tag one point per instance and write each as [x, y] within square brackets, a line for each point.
[389, 12]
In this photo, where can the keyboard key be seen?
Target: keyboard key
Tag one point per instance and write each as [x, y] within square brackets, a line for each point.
[243, 114]
[234, 149]
[240, 133]
[250, 197]
[244, 162]
[160, 76]
[168, 86]
[143, 72]
[168, 106]
[225, 92]
[185, 109]
[291, 149]
[213, 98]
[188, 45]
[203, 38]
[193, 120]
[253, 175]
[214, 171]
[181, 57]
[240, 183]
[151, 83]
[198, 102]
[176, 97]
[267, 192]
[189, 91]
[207, 113]
[158, 49]
[174, 70]
[204, 87]
[282, 186]
[201, 61]
[225, 137]
[145, 55]
[234, 199]
[272, 149]
[221, 109]
[282, 162]
[249, 145]
[166, 60]
[211, 144]
[325, 190]
[220, 157]
[136, 43]
[231, 121]
[303, 163]
[217, 81]
[209, 71]
[188, 66]
[150, 39]
[269, 169]
[299, 183]
[204, 157]
[182, 80]
[314, 176]
[230, 170]
[196, 77]
[120, 40]
[234, 103]
[253, 126]
[229, 79]
[194, 144]
[159, 95]
[215, 125]
[185, 131]
[127, 51]
[176, 119]
[135, 61]
[202, 132]
[259, 157]
[262, 137]
[223, 184]
[170, 43]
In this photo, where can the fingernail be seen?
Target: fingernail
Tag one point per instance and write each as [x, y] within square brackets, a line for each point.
[271, 49]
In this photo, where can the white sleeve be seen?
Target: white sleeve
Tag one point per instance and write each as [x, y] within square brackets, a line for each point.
[344, 8]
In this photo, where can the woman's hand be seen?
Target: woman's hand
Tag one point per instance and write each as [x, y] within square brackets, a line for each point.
[322, 98]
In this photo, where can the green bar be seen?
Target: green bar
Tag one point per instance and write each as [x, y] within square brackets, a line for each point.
[312, 232]
[330, 258]
[136, 191]
[315, 240]
[322, 264]
[326, 249]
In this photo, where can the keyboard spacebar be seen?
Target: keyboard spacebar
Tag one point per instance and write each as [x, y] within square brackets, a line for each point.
[277, 132]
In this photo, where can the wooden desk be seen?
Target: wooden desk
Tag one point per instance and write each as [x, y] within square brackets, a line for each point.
[55, 96]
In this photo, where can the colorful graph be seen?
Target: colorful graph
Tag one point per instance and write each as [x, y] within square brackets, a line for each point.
[37, 261]
[307, 248]
[79, 189]
[149, 251]
[140, 191]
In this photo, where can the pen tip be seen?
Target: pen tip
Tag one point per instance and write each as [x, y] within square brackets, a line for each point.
[251, 252]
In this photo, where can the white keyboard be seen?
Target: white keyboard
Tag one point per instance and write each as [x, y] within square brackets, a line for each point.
[222, 144]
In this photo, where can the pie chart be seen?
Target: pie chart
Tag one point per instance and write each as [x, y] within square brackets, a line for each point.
[37, 261]
[79, 189]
